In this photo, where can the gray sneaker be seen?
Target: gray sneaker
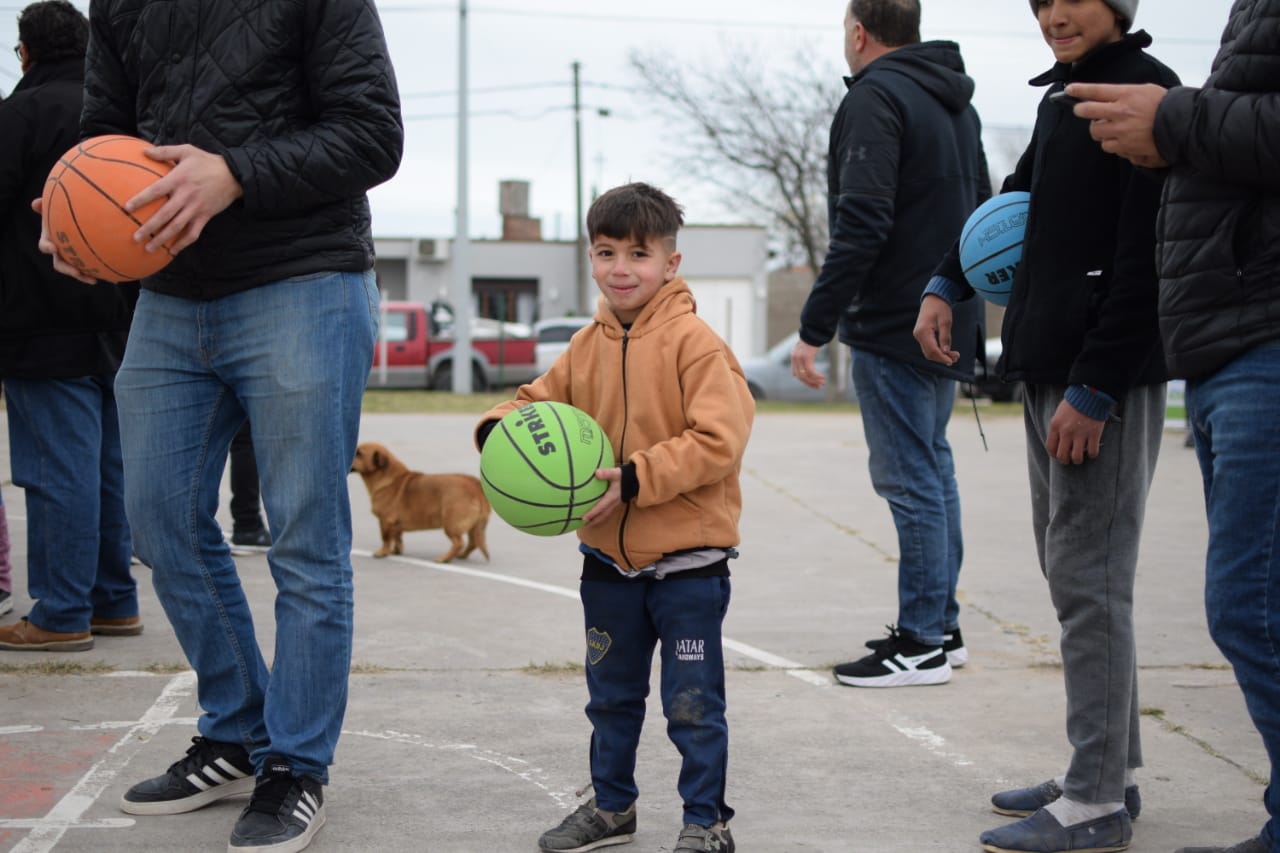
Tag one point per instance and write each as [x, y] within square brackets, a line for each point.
[1253, 845]
[589, 828]
[704, 839]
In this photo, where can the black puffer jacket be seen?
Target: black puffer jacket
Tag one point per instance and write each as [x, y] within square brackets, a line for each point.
[906, 169]
[1219, 229]
[1082, 310]
[51, 326]
[298, 96]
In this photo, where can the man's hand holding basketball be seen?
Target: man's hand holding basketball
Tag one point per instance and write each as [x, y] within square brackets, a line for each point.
[47, 246]
[198, 189]
[1122, 118]
[933, 330]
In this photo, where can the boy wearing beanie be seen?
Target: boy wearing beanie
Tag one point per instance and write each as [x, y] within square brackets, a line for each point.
[1080, 333]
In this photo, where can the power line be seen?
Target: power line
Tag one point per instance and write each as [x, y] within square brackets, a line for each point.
[490, 90]
[737, 23]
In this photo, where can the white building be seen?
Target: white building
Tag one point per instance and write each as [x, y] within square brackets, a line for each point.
[522, 278]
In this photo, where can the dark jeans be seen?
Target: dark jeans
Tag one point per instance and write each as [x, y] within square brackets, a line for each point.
[624, 622]
[64, 443]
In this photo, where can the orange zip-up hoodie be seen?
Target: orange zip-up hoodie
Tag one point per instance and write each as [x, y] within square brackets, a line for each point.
[672, 399]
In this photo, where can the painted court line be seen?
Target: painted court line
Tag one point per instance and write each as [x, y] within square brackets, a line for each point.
[918, 734]
[67, 812]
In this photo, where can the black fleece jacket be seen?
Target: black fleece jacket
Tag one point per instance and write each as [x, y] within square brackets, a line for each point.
[906, 168]
[1082, 310]
[51, 326]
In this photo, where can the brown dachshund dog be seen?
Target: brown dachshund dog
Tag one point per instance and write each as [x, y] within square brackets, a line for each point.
[409, 500]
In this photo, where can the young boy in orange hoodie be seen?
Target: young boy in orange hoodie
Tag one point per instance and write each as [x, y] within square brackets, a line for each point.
[672, 399]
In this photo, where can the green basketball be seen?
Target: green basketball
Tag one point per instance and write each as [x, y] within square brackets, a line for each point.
[538, 467]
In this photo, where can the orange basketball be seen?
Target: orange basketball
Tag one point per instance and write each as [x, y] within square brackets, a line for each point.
[84, 199]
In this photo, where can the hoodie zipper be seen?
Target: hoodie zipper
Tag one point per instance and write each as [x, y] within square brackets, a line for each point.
[622, 444]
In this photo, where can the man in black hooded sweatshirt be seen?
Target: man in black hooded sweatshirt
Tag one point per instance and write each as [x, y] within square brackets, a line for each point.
[906, 169]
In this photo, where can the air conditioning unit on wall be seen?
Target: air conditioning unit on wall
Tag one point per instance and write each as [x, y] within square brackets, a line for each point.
[433, 249]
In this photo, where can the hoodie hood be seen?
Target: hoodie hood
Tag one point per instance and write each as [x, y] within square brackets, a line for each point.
[936, 66]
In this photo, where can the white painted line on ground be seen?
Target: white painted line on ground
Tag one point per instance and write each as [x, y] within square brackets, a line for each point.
[66, 813]
[915, 732]
[19, 730]
[45, 823]
[517, 767]
[478, 573]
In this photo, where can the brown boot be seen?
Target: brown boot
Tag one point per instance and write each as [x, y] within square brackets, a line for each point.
[25, 636]
[125, 626]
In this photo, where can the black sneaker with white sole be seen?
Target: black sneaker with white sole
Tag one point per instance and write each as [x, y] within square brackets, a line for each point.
[211, 771]
[952, 644]
[284, 813]
[898, 662]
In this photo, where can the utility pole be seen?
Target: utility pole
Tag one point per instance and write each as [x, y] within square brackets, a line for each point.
[580, 267]
[460, 292]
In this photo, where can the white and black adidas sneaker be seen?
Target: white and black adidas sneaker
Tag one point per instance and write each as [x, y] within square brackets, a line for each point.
[211, 771]
[283, 814]
[897, 662]
[952, 644]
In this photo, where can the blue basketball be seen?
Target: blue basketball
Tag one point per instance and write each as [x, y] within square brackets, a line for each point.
[991, 245]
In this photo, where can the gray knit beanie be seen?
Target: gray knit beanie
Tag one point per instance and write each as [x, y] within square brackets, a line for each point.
[1124, 9]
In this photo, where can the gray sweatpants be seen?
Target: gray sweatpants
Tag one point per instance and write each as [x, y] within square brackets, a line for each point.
[1088, 521]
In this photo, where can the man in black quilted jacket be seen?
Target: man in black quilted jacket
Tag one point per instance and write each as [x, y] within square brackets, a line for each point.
[1219, 261]
[279, 116]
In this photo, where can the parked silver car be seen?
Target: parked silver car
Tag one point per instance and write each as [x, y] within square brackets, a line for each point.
[769, 376]
[553, 338]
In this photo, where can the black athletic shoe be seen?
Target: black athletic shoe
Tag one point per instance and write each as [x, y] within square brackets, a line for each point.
[952, 644]
[283, 814]
[211, 771]
[898, 662]
[260, 538]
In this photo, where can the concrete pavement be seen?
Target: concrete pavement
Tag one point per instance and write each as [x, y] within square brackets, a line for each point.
[465, 730]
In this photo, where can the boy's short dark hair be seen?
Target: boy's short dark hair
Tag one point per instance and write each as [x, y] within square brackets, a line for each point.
[52, 30]
[637, 211]
[893, 23]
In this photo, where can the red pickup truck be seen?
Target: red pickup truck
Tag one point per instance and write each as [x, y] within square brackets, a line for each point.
[417, 344]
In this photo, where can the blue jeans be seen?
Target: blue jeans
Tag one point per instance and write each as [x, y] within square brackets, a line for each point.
[293, 356]
[624, 621]
[905, 412]
[64, 447]
[1233, 416]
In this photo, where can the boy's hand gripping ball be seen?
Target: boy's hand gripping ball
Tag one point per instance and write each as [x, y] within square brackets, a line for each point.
[538, 467]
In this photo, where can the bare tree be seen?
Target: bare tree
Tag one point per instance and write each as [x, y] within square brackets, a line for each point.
[757, 134]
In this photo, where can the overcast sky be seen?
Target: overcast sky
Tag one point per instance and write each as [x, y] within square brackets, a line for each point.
[520, 58]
